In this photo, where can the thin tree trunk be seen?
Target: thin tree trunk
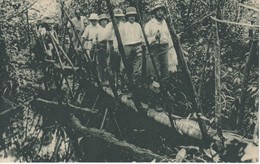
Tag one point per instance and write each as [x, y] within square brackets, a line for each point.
[130, 85]
[195, 101]
[4, 60]
[217, 79]
[29, 36]
[203, 71]
[242, 98]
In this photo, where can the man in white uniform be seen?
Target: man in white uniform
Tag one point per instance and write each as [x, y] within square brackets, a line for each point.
[133, 40]
[159, 38]
[92, 33]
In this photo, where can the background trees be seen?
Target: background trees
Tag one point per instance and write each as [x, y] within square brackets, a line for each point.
[193, 20]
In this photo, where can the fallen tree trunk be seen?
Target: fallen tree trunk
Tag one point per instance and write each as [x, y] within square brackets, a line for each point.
[50, 105]
[105, 144]
[235, 144]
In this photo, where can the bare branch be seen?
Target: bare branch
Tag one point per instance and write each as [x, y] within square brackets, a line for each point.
[235, 23]
[197, 21]
[21, 11]
[249, 7]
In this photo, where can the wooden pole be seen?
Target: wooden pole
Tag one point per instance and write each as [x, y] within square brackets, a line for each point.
[165, 94]
[203, 71]
[88, 60]
[246, 74]
[130, 85]
[217, 79]
[195, 101]
[62, 67]
[28, 33]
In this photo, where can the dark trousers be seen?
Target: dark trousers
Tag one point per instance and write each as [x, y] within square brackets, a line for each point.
[159, 54]
[134, 60]
[102, 62]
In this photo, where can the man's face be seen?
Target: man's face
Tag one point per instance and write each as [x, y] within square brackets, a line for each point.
[159, 14]
[103, 22]
[93, 22]
[131, 18]
[118, 19]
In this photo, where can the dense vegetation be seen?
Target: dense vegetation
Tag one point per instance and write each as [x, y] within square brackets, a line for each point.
[21, 79]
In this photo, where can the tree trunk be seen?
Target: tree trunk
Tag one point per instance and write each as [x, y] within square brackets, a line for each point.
[217, 78]
[4, 60]
[234, 143]
[242, 98]
[195, 101]
[130, 85]
[98, 144]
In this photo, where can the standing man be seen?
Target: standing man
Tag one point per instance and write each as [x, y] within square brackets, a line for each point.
[91, 34]
[133, 40]
[115, 64]
[103, 45]
[78, 23]
[159, 38]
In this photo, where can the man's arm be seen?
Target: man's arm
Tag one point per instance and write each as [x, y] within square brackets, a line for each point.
[149, 33]
[140, 32]
[85, 35]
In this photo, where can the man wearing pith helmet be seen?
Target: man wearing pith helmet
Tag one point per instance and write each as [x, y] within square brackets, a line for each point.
[103, 20]
[115, 62]
[92, 32]
[133, 40]
[159, 38]
[103, 55]
[161, 44]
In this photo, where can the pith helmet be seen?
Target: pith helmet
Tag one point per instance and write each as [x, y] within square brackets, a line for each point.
[93, 16]
[103, 16]
[118, 13]
[157, 6]
[131, 11]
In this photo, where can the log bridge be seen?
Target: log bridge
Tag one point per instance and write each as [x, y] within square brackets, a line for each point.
[234, 143]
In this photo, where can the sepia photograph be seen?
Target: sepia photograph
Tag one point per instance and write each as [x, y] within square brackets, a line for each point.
[173, 81]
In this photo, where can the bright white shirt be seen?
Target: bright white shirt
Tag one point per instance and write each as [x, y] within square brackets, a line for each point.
[109, 33]
[151, 29]
[132, 33]
[92, 33]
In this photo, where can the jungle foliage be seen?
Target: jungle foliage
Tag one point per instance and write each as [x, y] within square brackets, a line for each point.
[19, 78]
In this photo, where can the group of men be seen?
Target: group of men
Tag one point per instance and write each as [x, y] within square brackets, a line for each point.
[98, 33]
[96, 36]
